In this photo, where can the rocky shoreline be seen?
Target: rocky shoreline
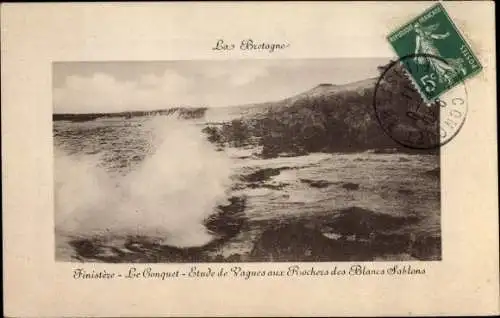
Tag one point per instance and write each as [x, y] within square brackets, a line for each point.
[348, 234]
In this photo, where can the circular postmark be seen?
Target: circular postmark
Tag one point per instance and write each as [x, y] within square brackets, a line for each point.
[405, 116]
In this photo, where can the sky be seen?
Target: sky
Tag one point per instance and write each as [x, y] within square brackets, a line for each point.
[102, 87]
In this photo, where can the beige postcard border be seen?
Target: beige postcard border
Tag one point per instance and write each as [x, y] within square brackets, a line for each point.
[35, 35]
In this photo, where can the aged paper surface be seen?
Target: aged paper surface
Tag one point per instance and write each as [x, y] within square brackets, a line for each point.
[216, 159]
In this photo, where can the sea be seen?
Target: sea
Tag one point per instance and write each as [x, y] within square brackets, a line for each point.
[154, 189]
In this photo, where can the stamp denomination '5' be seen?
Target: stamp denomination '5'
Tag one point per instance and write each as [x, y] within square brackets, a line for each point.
[433, 34]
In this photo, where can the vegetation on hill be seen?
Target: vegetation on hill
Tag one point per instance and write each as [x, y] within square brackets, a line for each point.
[328, 118]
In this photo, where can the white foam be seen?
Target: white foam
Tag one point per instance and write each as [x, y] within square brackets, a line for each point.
[168, 195]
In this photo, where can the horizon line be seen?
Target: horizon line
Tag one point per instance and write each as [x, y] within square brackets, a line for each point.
[213, 107]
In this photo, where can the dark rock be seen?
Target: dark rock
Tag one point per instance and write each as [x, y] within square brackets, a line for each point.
[256, 185]
[386, 151]
[405, 191]
[384, 244]
[403, 159]
[181, 255]
[289, 242]
[218, 258]
[299, 242]
[317, 183]
[85, 247]
[279, 186]
[234, 258]
[427, 248]
[434, 172]
[229, 219]
[262, 174]
[362, 222]
[213, 135]
[350, 186]
[97, 249]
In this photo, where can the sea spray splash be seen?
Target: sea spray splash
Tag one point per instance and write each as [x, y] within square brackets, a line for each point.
[168, 195]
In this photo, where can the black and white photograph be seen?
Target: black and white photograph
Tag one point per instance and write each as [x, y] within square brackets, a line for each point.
[250, 160]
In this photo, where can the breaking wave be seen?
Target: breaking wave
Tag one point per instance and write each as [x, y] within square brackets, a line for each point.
[168, 195]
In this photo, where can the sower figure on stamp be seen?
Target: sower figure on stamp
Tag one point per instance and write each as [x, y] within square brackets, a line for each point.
[425, 45]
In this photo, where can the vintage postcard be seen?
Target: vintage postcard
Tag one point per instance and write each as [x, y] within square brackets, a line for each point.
[246, 159]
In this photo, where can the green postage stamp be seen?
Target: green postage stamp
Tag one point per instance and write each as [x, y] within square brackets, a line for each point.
[434, 53]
